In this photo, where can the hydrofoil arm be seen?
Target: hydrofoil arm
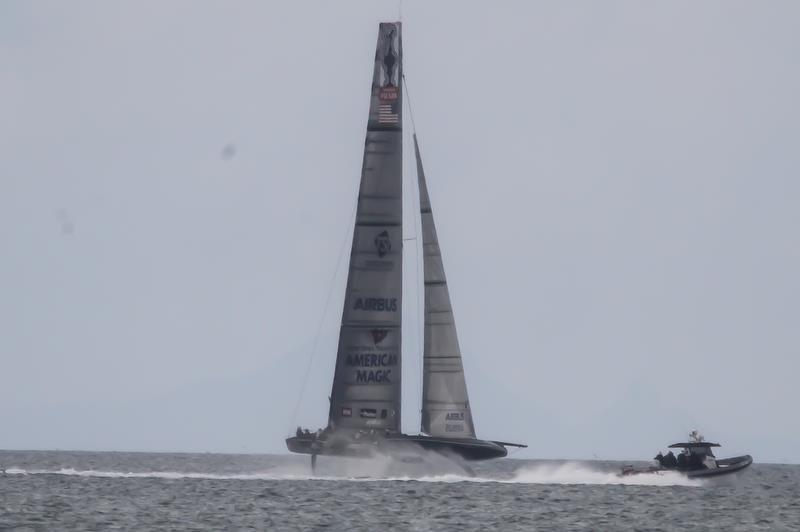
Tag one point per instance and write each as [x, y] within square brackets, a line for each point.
[508, 444]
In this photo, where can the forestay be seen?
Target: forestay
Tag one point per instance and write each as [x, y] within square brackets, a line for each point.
[445, 405]
[366, 386]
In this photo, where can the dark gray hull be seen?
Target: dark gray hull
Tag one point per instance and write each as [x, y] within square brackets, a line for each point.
[400, 444]
[726, 466]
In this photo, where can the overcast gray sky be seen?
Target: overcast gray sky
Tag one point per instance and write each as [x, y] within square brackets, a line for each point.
[615, 187]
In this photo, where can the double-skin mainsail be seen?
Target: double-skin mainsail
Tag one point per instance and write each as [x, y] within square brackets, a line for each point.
[366, 385]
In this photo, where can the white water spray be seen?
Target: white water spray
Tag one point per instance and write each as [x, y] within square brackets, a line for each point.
[580, 473]
[571, 473]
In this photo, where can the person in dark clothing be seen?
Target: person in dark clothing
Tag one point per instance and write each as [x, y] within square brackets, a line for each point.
[660, 459]
[670, 462]
[696, 461]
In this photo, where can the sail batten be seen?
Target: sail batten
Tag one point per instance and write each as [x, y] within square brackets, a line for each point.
[445, 403]
[366, 392]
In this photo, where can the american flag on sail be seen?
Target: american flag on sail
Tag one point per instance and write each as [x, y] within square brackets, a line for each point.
[386, 114]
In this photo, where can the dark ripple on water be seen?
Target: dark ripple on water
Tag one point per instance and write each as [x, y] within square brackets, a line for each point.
[104, 491]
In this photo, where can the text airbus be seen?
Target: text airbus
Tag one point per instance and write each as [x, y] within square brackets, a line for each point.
[383, 304]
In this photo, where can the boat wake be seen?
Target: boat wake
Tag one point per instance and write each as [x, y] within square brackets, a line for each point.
[578, 473]
[567, 473]
[167, 475]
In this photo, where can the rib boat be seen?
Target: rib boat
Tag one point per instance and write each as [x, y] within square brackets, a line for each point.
[696, 460]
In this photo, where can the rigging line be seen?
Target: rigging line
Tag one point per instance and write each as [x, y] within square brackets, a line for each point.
[410, 110]
[324, 314]
[420, 280]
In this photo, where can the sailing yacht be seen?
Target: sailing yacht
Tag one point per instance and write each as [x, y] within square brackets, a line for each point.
[364, 416]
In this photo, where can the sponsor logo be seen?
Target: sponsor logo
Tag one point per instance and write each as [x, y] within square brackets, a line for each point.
[389, 63]
[383, 244]
[347, 412]
[371, 360]
[369, 412]
[383, 304]
[389, 94]
[374, 376]
[378, 335]
[454, 421]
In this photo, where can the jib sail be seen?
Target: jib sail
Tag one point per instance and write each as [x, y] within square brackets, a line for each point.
[445, 404]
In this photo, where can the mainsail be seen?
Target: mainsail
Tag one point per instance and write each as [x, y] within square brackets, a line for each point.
[366, 384]
[445, 405]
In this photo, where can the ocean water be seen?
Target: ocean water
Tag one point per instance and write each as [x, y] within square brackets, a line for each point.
[51, 490]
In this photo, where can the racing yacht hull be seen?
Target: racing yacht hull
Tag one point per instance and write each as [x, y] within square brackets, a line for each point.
[340, 445]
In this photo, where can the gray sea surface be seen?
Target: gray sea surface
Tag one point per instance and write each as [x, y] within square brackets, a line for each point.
[57, 490]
